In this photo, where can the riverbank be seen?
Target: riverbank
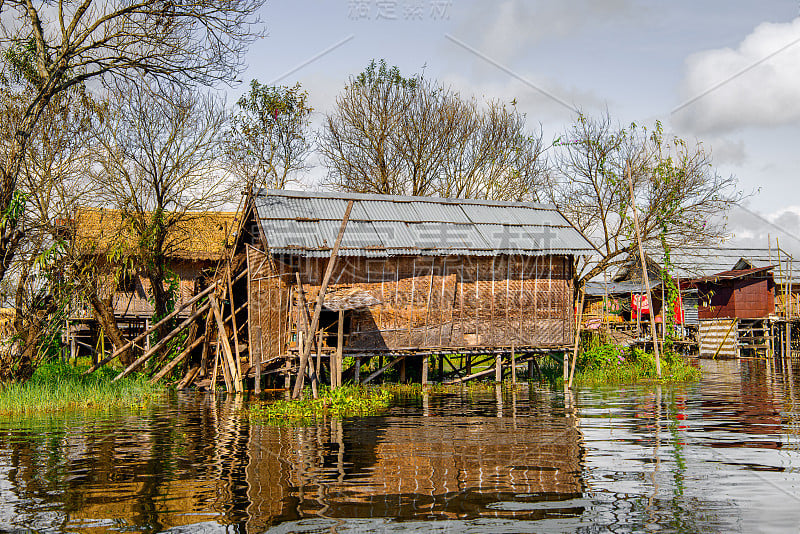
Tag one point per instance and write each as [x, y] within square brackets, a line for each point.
[57, 387]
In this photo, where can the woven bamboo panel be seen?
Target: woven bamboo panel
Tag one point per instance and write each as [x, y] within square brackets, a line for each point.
[424, 302]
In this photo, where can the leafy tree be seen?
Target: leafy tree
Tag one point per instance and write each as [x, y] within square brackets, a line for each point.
[268, 141]
[678, 195]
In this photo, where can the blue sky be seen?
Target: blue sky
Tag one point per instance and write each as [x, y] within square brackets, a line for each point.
[638, 60]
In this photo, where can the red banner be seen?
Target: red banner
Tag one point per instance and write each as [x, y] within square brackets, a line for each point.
[638, 301]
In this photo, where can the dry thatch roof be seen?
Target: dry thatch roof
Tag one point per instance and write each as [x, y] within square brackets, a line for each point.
[197, 235]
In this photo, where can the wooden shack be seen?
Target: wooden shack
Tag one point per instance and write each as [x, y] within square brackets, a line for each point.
[413, 273]
[194, 247]
[734, 309]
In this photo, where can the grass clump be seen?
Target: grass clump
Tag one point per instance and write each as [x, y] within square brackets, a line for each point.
[612, 364]
[57, 386]
[346, 401]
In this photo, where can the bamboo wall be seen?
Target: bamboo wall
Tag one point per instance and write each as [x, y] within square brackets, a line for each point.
[426, 302]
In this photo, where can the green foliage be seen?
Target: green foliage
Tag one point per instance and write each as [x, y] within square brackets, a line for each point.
[13, 212]
[57, 386]
[268, 140]
[345, 401]
[379, 74]
[20, 58]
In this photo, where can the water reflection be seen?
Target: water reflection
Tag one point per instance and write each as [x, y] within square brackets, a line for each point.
[721, 455]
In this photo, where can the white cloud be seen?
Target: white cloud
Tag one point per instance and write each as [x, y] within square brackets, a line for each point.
[748, 228]
[508, 28]
[755, 84]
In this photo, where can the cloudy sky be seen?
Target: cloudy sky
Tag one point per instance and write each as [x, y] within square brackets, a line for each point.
[725, 73]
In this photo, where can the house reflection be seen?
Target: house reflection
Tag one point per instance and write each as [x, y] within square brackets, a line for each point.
[414, 468]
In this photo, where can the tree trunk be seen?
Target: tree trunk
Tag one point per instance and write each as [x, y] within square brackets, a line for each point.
[104, 315]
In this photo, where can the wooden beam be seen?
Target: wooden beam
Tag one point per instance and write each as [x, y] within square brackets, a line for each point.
[321, 296]
[171, 365]
[383, 369]
[144, 335]
[158, 346]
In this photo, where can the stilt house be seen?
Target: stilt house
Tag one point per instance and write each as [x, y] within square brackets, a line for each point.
[412, 274]
[194, 248]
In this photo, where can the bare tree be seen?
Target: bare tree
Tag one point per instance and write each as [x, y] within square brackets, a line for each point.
[50, 47]
[156, 161]
[268, 141]
[677, 192]
[52, 183]
[412, 136]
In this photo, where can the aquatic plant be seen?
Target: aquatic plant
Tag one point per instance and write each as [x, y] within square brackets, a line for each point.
[345, 401]
[58, 386]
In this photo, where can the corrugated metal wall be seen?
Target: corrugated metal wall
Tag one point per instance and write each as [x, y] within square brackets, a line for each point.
[719, 338]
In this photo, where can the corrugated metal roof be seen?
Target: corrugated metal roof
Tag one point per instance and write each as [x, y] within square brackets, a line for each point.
[299, 222]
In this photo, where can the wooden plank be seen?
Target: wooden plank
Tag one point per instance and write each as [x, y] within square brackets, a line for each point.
[144, 335]
[158, 346]
[321, 296]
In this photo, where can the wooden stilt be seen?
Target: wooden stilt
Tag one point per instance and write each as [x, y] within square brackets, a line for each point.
[498, 368]
[171, 365]
[645, 275]
[339, 349]
[358, 369]
[577, 338]
[214, 372]
[238, 354]
[424, 373]
[513, 367]
[530, 368]
[403, 371]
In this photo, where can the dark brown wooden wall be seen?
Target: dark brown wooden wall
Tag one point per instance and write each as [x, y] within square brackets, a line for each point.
[427, 302]
[742, 299]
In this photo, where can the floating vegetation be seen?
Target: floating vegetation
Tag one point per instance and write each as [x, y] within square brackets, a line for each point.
[601, 364]
[346, 401]
[57, 386]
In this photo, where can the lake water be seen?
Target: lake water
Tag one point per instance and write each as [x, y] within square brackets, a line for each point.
[722, 455]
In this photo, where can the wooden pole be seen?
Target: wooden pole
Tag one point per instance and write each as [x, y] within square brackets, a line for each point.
[321, 296]
[498, 367]
[339, 348]
[144, 357]
[425, 364]
[214, 372]
[358, 369]
[513, 366]
[144, 335]
[577, 338]
[226, 346]
[233, 323]
[645, 275]
[308, 338]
